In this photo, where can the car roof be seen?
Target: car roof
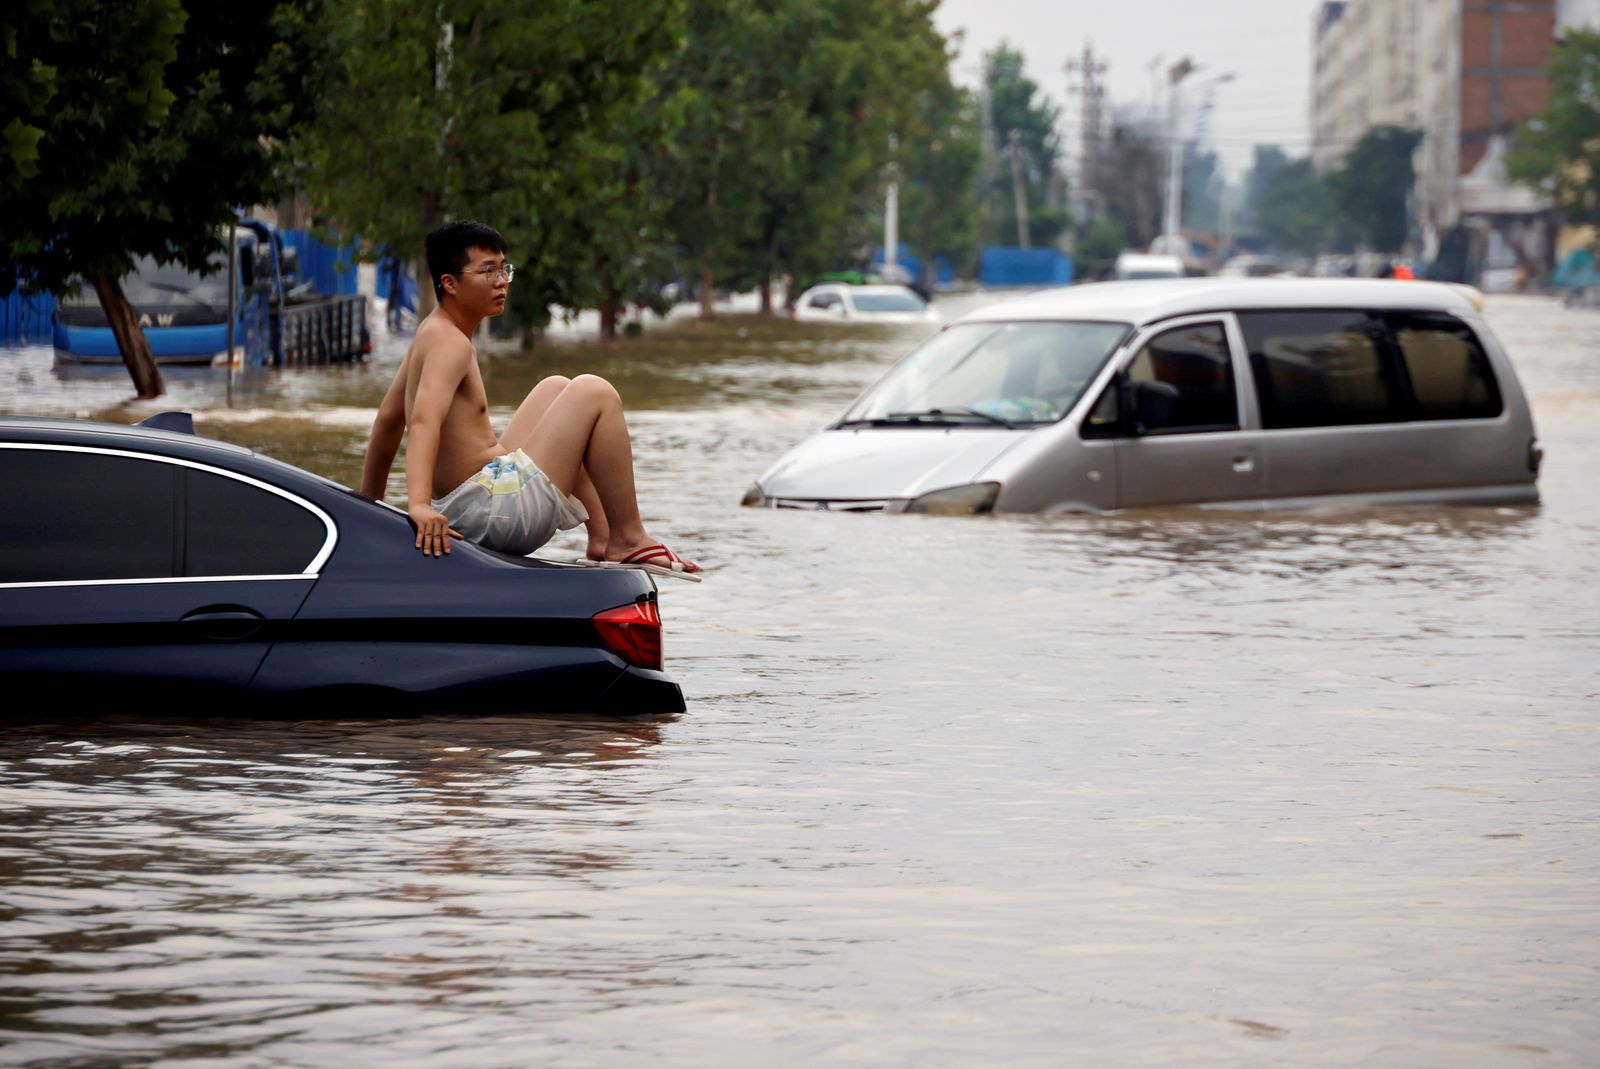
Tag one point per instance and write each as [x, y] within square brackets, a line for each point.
[1150, 300]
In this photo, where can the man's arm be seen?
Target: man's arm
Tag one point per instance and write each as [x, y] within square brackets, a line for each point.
[438, 378]
[387, 430]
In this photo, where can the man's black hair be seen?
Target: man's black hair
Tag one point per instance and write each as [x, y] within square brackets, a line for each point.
[446, 248]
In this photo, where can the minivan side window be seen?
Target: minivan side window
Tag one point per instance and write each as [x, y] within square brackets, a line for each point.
[1195, 361]
[72, 516]
[1449, 371]
[235, 528]
[1322, 369]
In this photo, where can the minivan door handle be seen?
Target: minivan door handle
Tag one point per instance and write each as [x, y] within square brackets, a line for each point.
[224, 624]
[1244, 461]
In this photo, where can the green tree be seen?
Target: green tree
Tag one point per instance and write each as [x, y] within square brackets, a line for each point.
[1289, 204]
[868, 84]
[136, 127]
[1098, 249]
[1022, 124]
[520, 115]
[1372, 188]
[792, 110]
[1559, 148]
[938, 198]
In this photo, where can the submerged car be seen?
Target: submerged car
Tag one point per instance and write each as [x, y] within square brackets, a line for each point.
[1252, 393]
[842, 302]
[152, 566]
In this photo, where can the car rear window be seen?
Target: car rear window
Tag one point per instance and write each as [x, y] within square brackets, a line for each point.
[235, 528]
[86, 516]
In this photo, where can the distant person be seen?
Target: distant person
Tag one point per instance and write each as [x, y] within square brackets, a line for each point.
[565, 457]
[1403, 270]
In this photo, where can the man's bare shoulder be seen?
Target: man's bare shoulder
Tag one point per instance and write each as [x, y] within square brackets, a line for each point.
[435, 337]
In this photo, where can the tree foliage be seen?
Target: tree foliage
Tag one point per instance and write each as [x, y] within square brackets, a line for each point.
[136, 127]
[938, 195]
[1372, 188]
[1287, 203]
[1559, 148]
[1023, 123]
[792, 112]
[518, 115]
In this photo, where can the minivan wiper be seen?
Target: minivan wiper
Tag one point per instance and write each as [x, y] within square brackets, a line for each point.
[933, 416]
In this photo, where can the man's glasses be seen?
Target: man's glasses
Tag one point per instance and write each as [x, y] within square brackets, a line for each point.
[491, 273]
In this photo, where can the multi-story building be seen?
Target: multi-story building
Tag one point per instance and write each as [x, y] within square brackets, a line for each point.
[1464, 72]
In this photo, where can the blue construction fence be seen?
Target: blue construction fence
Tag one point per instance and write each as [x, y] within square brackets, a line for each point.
[1003, 265]
[29, 320]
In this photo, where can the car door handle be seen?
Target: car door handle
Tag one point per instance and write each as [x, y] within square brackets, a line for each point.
[1244, 463]
[228, 624]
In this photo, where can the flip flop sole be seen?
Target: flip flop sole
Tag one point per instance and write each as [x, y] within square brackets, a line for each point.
[653, 569]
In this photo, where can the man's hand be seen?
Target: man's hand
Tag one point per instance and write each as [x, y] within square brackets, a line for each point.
[433, 530]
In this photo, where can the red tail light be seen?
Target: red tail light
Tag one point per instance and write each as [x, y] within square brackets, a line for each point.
[632, 632]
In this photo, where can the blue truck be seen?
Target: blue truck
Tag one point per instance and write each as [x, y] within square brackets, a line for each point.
[279, 320]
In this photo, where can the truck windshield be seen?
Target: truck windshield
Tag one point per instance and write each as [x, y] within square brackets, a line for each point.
[151, 284]
[1016, 373]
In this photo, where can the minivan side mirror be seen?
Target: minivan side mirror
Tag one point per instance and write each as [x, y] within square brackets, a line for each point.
[1152, 404]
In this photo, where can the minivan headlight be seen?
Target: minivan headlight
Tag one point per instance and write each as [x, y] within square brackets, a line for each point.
[965, 500]
[753, 498]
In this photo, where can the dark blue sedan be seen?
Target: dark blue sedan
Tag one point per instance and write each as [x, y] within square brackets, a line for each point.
[141, 565]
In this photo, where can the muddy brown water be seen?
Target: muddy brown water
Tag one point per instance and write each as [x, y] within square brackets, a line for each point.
[1165, 789]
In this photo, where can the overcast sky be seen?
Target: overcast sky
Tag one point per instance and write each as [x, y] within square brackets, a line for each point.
[1265, 44]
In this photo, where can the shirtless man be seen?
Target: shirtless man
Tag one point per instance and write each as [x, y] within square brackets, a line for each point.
[564, 459]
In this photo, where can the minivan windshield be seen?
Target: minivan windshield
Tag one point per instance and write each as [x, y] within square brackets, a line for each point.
[991, 373]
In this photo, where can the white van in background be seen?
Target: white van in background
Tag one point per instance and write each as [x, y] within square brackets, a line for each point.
[1136, 265]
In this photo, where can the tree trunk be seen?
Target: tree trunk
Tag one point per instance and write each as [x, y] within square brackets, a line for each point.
[608, 299]
[766, 293]
[427, 300]
[131, 342]
[708, 298]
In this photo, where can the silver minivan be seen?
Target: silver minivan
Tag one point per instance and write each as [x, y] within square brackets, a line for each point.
[1237, 393]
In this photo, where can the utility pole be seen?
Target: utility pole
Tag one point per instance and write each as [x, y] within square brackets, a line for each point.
[1019, 190]
[1170, 241]
[891, 209]
[1089, 153]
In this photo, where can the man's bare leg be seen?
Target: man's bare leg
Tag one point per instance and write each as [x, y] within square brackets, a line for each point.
[582, 430]
[520, 429]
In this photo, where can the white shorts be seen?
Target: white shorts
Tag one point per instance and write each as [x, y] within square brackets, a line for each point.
[510, 506]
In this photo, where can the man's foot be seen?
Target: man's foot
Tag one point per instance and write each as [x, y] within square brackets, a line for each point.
[656, 559]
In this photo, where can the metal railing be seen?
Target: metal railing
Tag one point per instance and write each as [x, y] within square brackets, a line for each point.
[330, 330]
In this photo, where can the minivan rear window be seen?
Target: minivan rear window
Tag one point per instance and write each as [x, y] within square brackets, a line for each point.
[1320, 369]
[1449, 371]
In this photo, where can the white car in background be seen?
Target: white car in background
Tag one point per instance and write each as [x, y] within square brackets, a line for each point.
[841, 302]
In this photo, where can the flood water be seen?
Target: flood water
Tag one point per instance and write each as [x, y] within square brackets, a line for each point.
[1170, 789]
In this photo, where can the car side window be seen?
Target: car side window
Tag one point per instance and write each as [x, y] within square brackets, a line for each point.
[234, 528]
[1322, 369]
[74, 516]
[825, 300]
[1195, 363]
[1448, 369]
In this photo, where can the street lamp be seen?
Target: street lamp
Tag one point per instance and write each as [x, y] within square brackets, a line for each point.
[1171, 243]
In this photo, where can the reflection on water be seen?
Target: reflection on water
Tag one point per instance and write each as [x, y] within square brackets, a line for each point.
[1167, 788]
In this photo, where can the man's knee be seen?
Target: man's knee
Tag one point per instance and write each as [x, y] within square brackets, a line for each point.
[551, 382]
[595, 386]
